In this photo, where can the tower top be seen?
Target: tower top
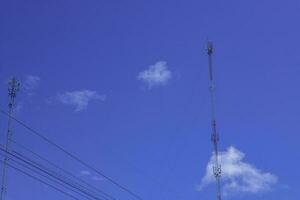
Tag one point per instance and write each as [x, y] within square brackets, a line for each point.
[14, 86]
[209, 48]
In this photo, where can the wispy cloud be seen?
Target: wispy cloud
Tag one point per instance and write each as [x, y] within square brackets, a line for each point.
[97, 178]
[80, 99]
[238, 176]
[19, 106]
[155, 75]
[31, 82]
[85, 173]
[89, 175]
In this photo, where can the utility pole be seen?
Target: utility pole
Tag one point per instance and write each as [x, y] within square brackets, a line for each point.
[214, 134]
[13, 88]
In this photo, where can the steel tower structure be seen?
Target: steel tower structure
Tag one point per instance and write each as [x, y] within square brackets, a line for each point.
[12, 92]
[214, 135]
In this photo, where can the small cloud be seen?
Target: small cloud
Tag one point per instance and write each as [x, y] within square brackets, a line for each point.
[89, 175]
[80, 99]
[85, 173]
[18, 107]
[97, 178]
[31, 82]
[155, 75]
[238, 177]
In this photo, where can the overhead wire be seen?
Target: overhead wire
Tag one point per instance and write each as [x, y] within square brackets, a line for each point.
[41, 181]
[48, 173]
[44, 176]
[71, 155]
[95, 189]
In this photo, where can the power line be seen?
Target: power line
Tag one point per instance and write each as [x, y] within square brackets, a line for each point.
[48, 172]
[45, 176]
[103, 194]
[71, 155]
[59, 179]
[41, 181]
[56, 176]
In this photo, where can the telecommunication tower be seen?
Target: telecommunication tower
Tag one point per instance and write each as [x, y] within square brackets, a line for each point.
[214, 135]
[13, 88]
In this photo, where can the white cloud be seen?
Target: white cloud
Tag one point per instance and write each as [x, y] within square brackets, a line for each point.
[31, 82]
[157, 74]
[19, 106]
[89, 175]
[238, 176]
[97, 178]
[85, 173]
[80, 99]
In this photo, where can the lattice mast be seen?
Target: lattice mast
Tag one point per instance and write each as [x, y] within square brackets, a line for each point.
[13, 88]
[214, 134]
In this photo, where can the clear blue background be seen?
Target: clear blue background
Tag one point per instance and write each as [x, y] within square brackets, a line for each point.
[157, 142]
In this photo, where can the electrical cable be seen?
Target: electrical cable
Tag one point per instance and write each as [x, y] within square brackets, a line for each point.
[103, 194]
[41, 181]
[46, 171]
[33, 131]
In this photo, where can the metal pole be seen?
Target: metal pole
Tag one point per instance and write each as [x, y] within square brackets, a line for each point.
[214, 134]
[13, 88]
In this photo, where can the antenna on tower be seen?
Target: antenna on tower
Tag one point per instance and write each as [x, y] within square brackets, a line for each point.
[214, 135]
[13, 88]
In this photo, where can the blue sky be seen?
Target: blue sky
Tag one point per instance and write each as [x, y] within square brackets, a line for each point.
[123, 84]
